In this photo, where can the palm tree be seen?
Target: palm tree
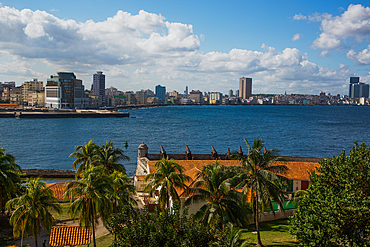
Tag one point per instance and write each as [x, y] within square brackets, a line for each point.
[168, 176]
[90, 197]
[8, 175]
[123, 190]
[213, 186]
[258, 176]
[32, 210]
[109, 157]
[85, 155]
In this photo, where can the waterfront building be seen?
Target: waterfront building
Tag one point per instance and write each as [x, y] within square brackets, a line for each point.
[141, 97]
[130, 98]
[173, 94]
[160, 92]
[98, 87]
[297, 175]
[99, 83]
[358, 89]
[245, 88]
[186, 92]
[215, 98]
[196, 96]
[64, 90]
[231, 93]
[36, 98]
[30, 87]
[15, 95]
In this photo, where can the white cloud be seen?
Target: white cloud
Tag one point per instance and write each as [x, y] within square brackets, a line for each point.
[353, 23]
[141, 71]
[296, 36]
[299, 17]
[360, 58]
[146, 40]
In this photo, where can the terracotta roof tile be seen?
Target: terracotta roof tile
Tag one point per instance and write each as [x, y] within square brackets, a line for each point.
[58, 189]
[69, 235]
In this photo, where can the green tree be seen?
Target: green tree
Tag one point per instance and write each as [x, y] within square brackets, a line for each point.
[85, 155]
[109, 157]
[258, 178]
[336, 209]
[123, 191]
[9, 176]
[165, 228]
[167, 177]
[213, 186]
[90, 197]
[32, 210]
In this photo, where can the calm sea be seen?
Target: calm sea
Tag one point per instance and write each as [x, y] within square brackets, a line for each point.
[314, 131]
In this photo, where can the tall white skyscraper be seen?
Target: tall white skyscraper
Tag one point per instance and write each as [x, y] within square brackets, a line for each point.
[99, 83]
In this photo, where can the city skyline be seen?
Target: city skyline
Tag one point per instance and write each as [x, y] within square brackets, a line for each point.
[288, 46]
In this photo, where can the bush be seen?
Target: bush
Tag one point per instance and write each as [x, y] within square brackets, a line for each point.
[162, 228]
[336, 209]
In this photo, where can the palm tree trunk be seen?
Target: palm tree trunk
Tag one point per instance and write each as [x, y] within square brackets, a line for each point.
[1, 200]
[22, 237]
[93, 223]
[259, 242]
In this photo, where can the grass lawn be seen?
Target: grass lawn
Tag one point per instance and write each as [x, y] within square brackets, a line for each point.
[273, 233]
[104, 241]
[64, 215]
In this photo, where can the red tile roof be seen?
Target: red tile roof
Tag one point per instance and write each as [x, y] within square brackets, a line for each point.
[69, 235]
[58, 189]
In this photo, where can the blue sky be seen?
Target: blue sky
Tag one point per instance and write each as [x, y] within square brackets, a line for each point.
[292, 46]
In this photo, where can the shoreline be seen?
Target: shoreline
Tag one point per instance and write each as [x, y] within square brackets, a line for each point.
[48, 173]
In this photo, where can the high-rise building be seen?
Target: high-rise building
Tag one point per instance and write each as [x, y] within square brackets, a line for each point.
[141, 97]
[99, 83]
[231, 93]
[64, 90]
[186, 92]
[160, 92]
[245, 88]
[358, 89]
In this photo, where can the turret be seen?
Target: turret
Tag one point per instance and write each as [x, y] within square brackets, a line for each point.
[142, 150]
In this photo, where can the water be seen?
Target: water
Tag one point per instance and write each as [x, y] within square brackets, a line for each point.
[312, 131]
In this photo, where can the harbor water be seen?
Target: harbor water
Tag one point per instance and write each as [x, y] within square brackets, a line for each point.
[311, 131]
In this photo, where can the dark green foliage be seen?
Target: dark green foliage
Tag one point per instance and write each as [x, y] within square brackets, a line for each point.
[162, 228]
[336, 209]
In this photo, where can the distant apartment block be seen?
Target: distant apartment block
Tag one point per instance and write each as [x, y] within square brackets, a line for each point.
[358, 89]
[245, 88]
[160, 92]
[98, 87]
[64, 90]
[215, 98]
[141, 97]
[29, 87]
[196, 96]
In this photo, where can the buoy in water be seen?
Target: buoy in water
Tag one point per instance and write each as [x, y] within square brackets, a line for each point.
[126, 144]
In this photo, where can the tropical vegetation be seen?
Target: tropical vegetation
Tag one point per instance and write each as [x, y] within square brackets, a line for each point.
[258, 178]
[214, 188]
[167, 177]
[9, 177]
[105, 155]
[335, 210]
[169, 227]
[90, 197]
[31, 210]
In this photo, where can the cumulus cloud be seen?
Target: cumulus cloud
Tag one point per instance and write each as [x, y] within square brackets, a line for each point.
[171, 50]
[360, 58]
[299, 17]
[296, 36]
[353, 23]
[119, 40]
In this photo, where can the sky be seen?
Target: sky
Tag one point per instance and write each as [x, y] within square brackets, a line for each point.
[285, 46]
